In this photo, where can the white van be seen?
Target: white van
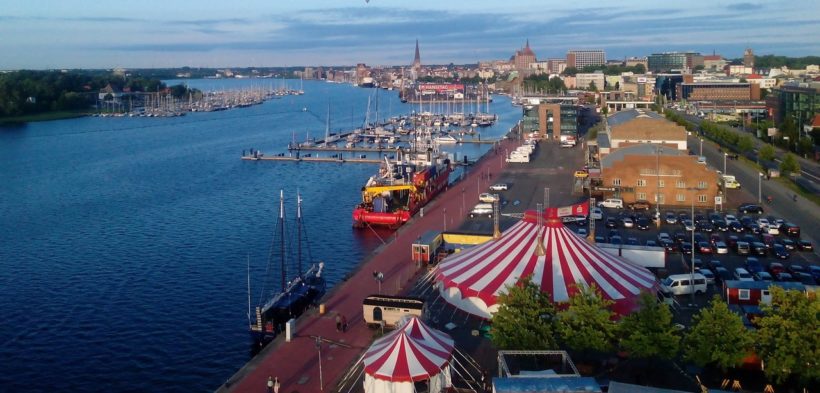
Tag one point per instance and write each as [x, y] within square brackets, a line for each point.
[612, 203]
[681, 284]
[482, 209]
[729, 181]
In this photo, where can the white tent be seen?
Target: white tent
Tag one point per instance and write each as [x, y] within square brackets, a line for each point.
[411, 354]
[557, 258]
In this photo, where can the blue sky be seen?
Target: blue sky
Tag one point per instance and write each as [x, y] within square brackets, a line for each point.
[173, 33]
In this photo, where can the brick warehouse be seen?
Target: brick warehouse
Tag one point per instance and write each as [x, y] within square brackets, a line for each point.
[651, 172]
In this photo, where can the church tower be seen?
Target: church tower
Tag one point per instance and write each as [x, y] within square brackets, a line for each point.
[417, 58]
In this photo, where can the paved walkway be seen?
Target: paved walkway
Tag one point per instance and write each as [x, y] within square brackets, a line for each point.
[296, 364]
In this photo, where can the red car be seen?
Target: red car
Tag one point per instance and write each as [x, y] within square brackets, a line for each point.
[775, 268]
[704, 248]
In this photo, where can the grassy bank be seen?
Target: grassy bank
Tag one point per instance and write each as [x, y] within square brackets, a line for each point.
[47, 116]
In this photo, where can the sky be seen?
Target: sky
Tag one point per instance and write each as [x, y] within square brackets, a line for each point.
[46, 34]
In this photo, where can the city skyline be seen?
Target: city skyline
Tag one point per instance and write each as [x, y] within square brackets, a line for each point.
[82, 34]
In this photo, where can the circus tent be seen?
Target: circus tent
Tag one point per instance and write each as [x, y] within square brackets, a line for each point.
[409, 355]
[557, 258]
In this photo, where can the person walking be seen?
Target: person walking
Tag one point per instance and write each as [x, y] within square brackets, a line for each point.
[344, 324]
[270, 384]
[276, 385]
[338, 322]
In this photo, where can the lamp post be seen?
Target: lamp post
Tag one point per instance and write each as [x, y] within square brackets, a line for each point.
[462, 200]
[319, 348]
[658, 185]
[692, 270]
[759, 185]
[701, 146]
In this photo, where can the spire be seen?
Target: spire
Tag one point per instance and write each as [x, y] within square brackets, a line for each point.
[417, 58]
[528, 43]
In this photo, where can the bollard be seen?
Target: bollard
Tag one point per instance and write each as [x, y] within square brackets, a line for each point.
[322, 309]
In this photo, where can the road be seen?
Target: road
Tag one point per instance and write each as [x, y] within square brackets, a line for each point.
[810, 170]
[804, 213]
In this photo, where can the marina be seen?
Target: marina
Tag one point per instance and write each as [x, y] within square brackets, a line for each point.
[175, 221]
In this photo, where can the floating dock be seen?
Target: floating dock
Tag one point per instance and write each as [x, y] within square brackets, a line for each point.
[313, 159]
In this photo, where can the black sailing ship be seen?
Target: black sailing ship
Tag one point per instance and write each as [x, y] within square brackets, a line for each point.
[295, 293]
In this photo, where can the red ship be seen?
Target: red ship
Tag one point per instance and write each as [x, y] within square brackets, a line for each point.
[401, 189]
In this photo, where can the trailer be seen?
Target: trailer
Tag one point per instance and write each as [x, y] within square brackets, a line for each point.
[424, 249]
[388, 310]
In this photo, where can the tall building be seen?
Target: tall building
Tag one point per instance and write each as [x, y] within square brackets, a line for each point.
[580, 58]
[417, 58]
[749, 58]
[523, 58]
[667, 61]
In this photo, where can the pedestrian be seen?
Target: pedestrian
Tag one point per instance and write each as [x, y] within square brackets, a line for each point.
[270, 384]
[338, 323]
[276, 385]
[344, 324]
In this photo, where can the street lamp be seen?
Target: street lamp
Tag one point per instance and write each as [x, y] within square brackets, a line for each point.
[759, 185]
[692, 271]
[319, 348]
[701, 146]
[658, 185]
[444, 213]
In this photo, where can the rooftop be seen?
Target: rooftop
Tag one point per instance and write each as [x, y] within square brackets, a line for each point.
[625, 116]
[643, 149]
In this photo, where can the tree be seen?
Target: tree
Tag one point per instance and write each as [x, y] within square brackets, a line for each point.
[592, 86]
[525, 318]
[789, 164]
[569, 71]
[805, 146]
[717, 337]
[787, 337]
[586, 324]
[745, 144]
[767, 152]
[648, 333]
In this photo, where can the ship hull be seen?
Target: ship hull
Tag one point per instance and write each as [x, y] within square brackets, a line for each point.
[363, 217]
[288, 305]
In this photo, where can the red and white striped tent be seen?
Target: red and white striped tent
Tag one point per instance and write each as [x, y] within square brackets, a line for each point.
[473, 279]
[412, 353]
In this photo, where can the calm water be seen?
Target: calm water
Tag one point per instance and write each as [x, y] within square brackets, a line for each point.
[123, 241]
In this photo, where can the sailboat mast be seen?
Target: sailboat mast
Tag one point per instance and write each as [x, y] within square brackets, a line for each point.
[282, 237]
[299, 233]
[250, 319]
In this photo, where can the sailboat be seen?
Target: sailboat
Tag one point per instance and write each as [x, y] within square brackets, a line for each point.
[297, 292]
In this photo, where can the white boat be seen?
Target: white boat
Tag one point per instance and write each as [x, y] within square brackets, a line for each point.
[446, 140]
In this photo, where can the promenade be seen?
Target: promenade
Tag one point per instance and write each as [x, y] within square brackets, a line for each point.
[296, 363]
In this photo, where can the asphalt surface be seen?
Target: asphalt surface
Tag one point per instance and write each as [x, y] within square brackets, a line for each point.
[804, 213]
[810, 170]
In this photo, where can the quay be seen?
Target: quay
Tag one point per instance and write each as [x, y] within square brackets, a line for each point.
[296, 363]
[368, 149]
[312, 159]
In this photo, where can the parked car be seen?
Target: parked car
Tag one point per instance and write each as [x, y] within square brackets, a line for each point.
[731, 241]
[600, 239]
[714, 264]
[686, 248]
[804, 278]
[632, 241]
[780, 252]
[790, 229]
[482, 209]
[651, 243]
[753, 265]
[611, 222]
[616, 240]
[671, 218]
[499, 187]
[704, 248]
[815, 272]
[710, 277]
[680, 236]
[748, 208]
[742, 274]
[736, 226]
[582, 232]
[805, 245]
[759, 249]
[581, 174]
[596, 213]
[640, 205]
[663, 236]
[783, 277]
[642, 224]
[682, 284]
[721, 248]
[743, 248]
[775, 268]
[627, 222]
[763, 276]
[723, 274]
[669, 246]
[789, 244]
[795, 268]
[612, 203]
[486, 197]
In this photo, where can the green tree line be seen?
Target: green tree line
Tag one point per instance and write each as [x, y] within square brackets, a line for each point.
[607, 69]
[785, 337]
[31, 92]
[795, 63]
